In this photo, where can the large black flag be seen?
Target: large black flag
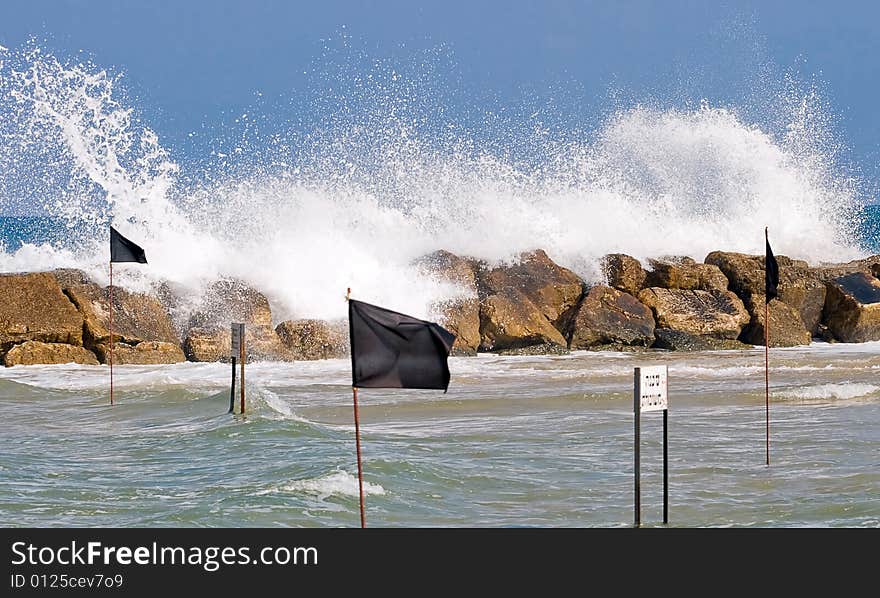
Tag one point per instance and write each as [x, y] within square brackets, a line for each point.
[771, 273]
[123, 250]
[393, 350]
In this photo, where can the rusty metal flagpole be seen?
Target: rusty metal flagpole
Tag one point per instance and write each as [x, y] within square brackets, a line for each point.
[111, 332]
[357, 436]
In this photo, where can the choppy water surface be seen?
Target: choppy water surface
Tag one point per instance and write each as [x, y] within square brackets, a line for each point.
[517, 441]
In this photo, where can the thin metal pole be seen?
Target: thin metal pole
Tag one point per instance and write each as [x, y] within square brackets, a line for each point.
[241, 357]
[111, 332]
[232, 390]
[665, 471]
[637, 503]
[767, 373]
[357, 436]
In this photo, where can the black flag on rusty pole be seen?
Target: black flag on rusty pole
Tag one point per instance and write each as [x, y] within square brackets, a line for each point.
[393, 350]
[121, 250]
[771, 291]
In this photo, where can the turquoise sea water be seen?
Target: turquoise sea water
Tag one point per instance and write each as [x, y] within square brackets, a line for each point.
[517, 441]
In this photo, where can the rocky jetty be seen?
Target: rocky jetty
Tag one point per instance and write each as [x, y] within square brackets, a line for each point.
[531, 305]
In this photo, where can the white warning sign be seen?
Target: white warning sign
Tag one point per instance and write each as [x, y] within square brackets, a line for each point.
[650, 388]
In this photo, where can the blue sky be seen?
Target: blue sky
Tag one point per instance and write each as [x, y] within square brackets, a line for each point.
[192, 65]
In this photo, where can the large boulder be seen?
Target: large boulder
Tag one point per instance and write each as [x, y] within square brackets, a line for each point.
[34, 308]
[137, 318]
[314, 339]
[623, 272]
[676, 340]
[717, 314]
[35, 352]
[208, 335]
[460, 314]
[800, 286]
[523, 304]
[852, 308]
[805, 292]
[510, 321]
[787, 329]
[208, 344]
[147, 353]
[551, 288]
[608, 316]
[685, 273]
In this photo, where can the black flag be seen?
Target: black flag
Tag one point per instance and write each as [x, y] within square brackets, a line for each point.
[392, 350]
[771, 273]
[123, 250]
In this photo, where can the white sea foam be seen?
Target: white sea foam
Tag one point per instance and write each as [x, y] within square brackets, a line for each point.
[262, 375]
[85, 377]
[830, 391]
[337, 483]
[275, 404]
[353, 207]
[739, 371]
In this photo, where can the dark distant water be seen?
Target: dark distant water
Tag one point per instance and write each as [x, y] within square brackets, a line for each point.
[869, 231]
[15, 231]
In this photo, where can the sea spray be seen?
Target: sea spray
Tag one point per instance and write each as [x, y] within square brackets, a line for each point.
[360, 196]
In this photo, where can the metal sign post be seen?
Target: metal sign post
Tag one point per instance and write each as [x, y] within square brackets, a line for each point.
[237, 351]
[650, 385]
